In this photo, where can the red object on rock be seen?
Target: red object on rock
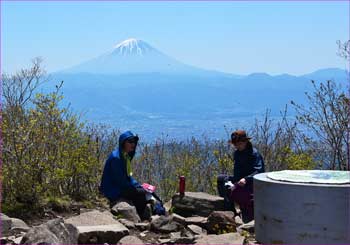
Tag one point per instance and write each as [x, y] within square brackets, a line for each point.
[182, 185]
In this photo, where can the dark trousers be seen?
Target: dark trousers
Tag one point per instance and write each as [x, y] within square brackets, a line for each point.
[243, 196]
[225, 192]
[138, 197]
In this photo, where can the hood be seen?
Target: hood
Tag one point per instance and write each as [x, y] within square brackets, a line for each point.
[124, 136]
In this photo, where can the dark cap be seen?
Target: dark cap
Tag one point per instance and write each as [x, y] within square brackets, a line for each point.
[239, 135]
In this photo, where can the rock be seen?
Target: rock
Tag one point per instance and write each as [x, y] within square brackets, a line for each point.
[143, 234]
[7, 240]
[84, 210]
[98, 227]
[178, 218]
[174, 235]
[164, 224]
[197, 230]
[17, 240]
[250, 241]
[154, 217]
[130, 240]
[143, 226]
[101, 234]
[6, 224]
[178, 238]
[105, 212]
[247, 227]
[126, 211]
[158, 221]
[128, 224]
[228, 238]
[238, 220]
[12, 226]
[196, 203]
[220, 222]
[183, 240]
[52, 232]
[197, 220]
[164, 236]
[170, 227]
[18, 226]
[185, 232]
[164, 241]
[92, 218]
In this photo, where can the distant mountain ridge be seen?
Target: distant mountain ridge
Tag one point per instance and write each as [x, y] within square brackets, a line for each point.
[135, 84]
[137, 56]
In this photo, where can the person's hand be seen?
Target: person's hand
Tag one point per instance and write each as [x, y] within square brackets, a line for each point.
[242, 182]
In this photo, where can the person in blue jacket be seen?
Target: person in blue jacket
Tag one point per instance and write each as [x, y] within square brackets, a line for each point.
[247, 162]
[117, 181]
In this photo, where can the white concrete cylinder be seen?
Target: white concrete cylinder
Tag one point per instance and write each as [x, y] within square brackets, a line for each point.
[301, 213]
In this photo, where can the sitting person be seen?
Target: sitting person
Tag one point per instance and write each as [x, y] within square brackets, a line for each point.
[247, 163]
[117, 181]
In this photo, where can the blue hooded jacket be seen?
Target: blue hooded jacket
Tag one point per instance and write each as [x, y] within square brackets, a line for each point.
[114, 178]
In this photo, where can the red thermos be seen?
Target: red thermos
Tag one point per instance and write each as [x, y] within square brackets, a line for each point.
[182, 185]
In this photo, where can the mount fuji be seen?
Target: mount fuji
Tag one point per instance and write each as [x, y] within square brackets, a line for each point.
[135, 86]
[135, 56]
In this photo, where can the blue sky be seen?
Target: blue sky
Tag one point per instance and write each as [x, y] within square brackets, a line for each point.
[236, 37]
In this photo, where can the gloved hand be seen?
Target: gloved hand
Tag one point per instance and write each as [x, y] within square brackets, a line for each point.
[229, 186]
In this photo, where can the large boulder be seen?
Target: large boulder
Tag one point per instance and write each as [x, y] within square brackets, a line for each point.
[220, 222]
[93, 217]
[98, 227]
[52, 232]
[18, 226]
[11, 226]
[196, 203]
[228, 238]
[125, 210]
[6, 224]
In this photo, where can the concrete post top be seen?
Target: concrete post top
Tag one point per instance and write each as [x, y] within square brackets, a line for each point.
[307, 177]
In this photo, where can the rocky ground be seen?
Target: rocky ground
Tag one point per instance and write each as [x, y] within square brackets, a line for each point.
[196, 218]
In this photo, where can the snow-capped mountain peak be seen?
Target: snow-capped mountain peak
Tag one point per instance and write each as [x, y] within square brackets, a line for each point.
[134, 56]
[132, 46]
